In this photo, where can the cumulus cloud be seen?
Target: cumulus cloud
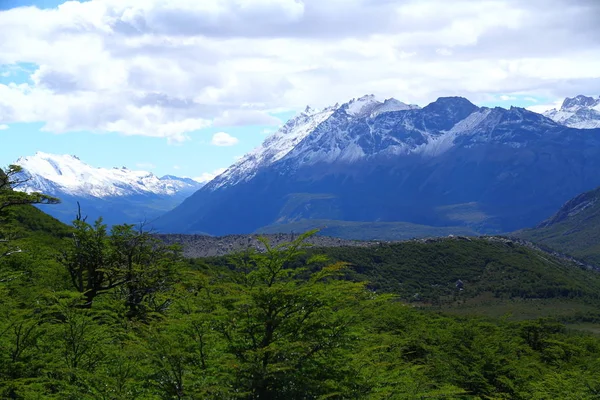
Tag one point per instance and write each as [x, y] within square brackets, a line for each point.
[166, 69]
[3, 127]
[223, 139]
[209, 176]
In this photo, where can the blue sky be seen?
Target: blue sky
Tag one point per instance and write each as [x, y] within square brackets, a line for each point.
[185, 88]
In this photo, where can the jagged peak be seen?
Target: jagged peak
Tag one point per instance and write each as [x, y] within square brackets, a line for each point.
[56, 174]
[579, 101]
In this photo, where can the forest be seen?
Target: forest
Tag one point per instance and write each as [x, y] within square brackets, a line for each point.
[92, 313]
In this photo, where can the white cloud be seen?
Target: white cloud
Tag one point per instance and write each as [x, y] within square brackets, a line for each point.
[209, 176]
[444, 51]
[176, 167]
[505, 97]
[245, 118]
[223, 139]
[166, 69]
[3, 127]
[541, 108]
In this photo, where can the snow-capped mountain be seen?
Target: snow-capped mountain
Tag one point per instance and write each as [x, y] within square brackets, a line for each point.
[579, 112]
[449, 163]
[116, 194]
[282, 142]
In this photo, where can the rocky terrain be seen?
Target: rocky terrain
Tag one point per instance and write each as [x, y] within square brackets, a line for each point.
[207, 246]
[198, 246]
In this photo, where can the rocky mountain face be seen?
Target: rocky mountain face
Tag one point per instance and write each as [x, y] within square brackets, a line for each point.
[450, 163]
[579, 112]
[119, 195]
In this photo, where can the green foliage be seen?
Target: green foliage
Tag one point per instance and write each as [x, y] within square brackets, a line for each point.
[133, 261]
[286, 323]
[9, 198]
[427, 271]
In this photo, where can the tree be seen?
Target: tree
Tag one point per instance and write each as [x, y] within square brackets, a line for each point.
[288, 331]
[134, 261]
[148, 265]
[10, 178]
[88, 260]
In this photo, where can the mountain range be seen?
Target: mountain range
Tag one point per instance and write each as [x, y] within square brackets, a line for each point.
[365, 169]
[449, 164]
[119, 195]
[578, 112]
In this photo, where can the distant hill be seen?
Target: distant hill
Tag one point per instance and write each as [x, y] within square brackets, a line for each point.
[27, 220]
[574, 229]
[357, 230]
[499, 276]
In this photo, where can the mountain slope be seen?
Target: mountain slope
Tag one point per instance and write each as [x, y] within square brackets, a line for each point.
[579, 112]
[574, 229]
[355, 230]
[450, 163]
[119, 195]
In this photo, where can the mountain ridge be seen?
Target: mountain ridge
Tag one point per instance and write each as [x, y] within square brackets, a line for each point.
[118, 194]
[448, 163]
[581, 112]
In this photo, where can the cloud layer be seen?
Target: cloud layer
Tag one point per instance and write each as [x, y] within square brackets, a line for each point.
[166, 69]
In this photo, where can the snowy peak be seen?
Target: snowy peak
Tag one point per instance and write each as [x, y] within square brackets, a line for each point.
[361, 106]
[370, 105]
[366, 128]
[67, 174]
[390, 105]
[274, 148]
[360, 128]
[580, 112]
[579, 102]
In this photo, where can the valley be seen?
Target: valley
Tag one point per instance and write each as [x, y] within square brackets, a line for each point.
[299, 200]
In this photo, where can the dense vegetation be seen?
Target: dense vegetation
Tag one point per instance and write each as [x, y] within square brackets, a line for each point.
[91, 314]
[574, 229]
[430, 269]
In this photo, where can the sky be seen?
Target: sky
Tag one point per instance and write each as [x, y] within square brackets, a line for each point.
[186, 87]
